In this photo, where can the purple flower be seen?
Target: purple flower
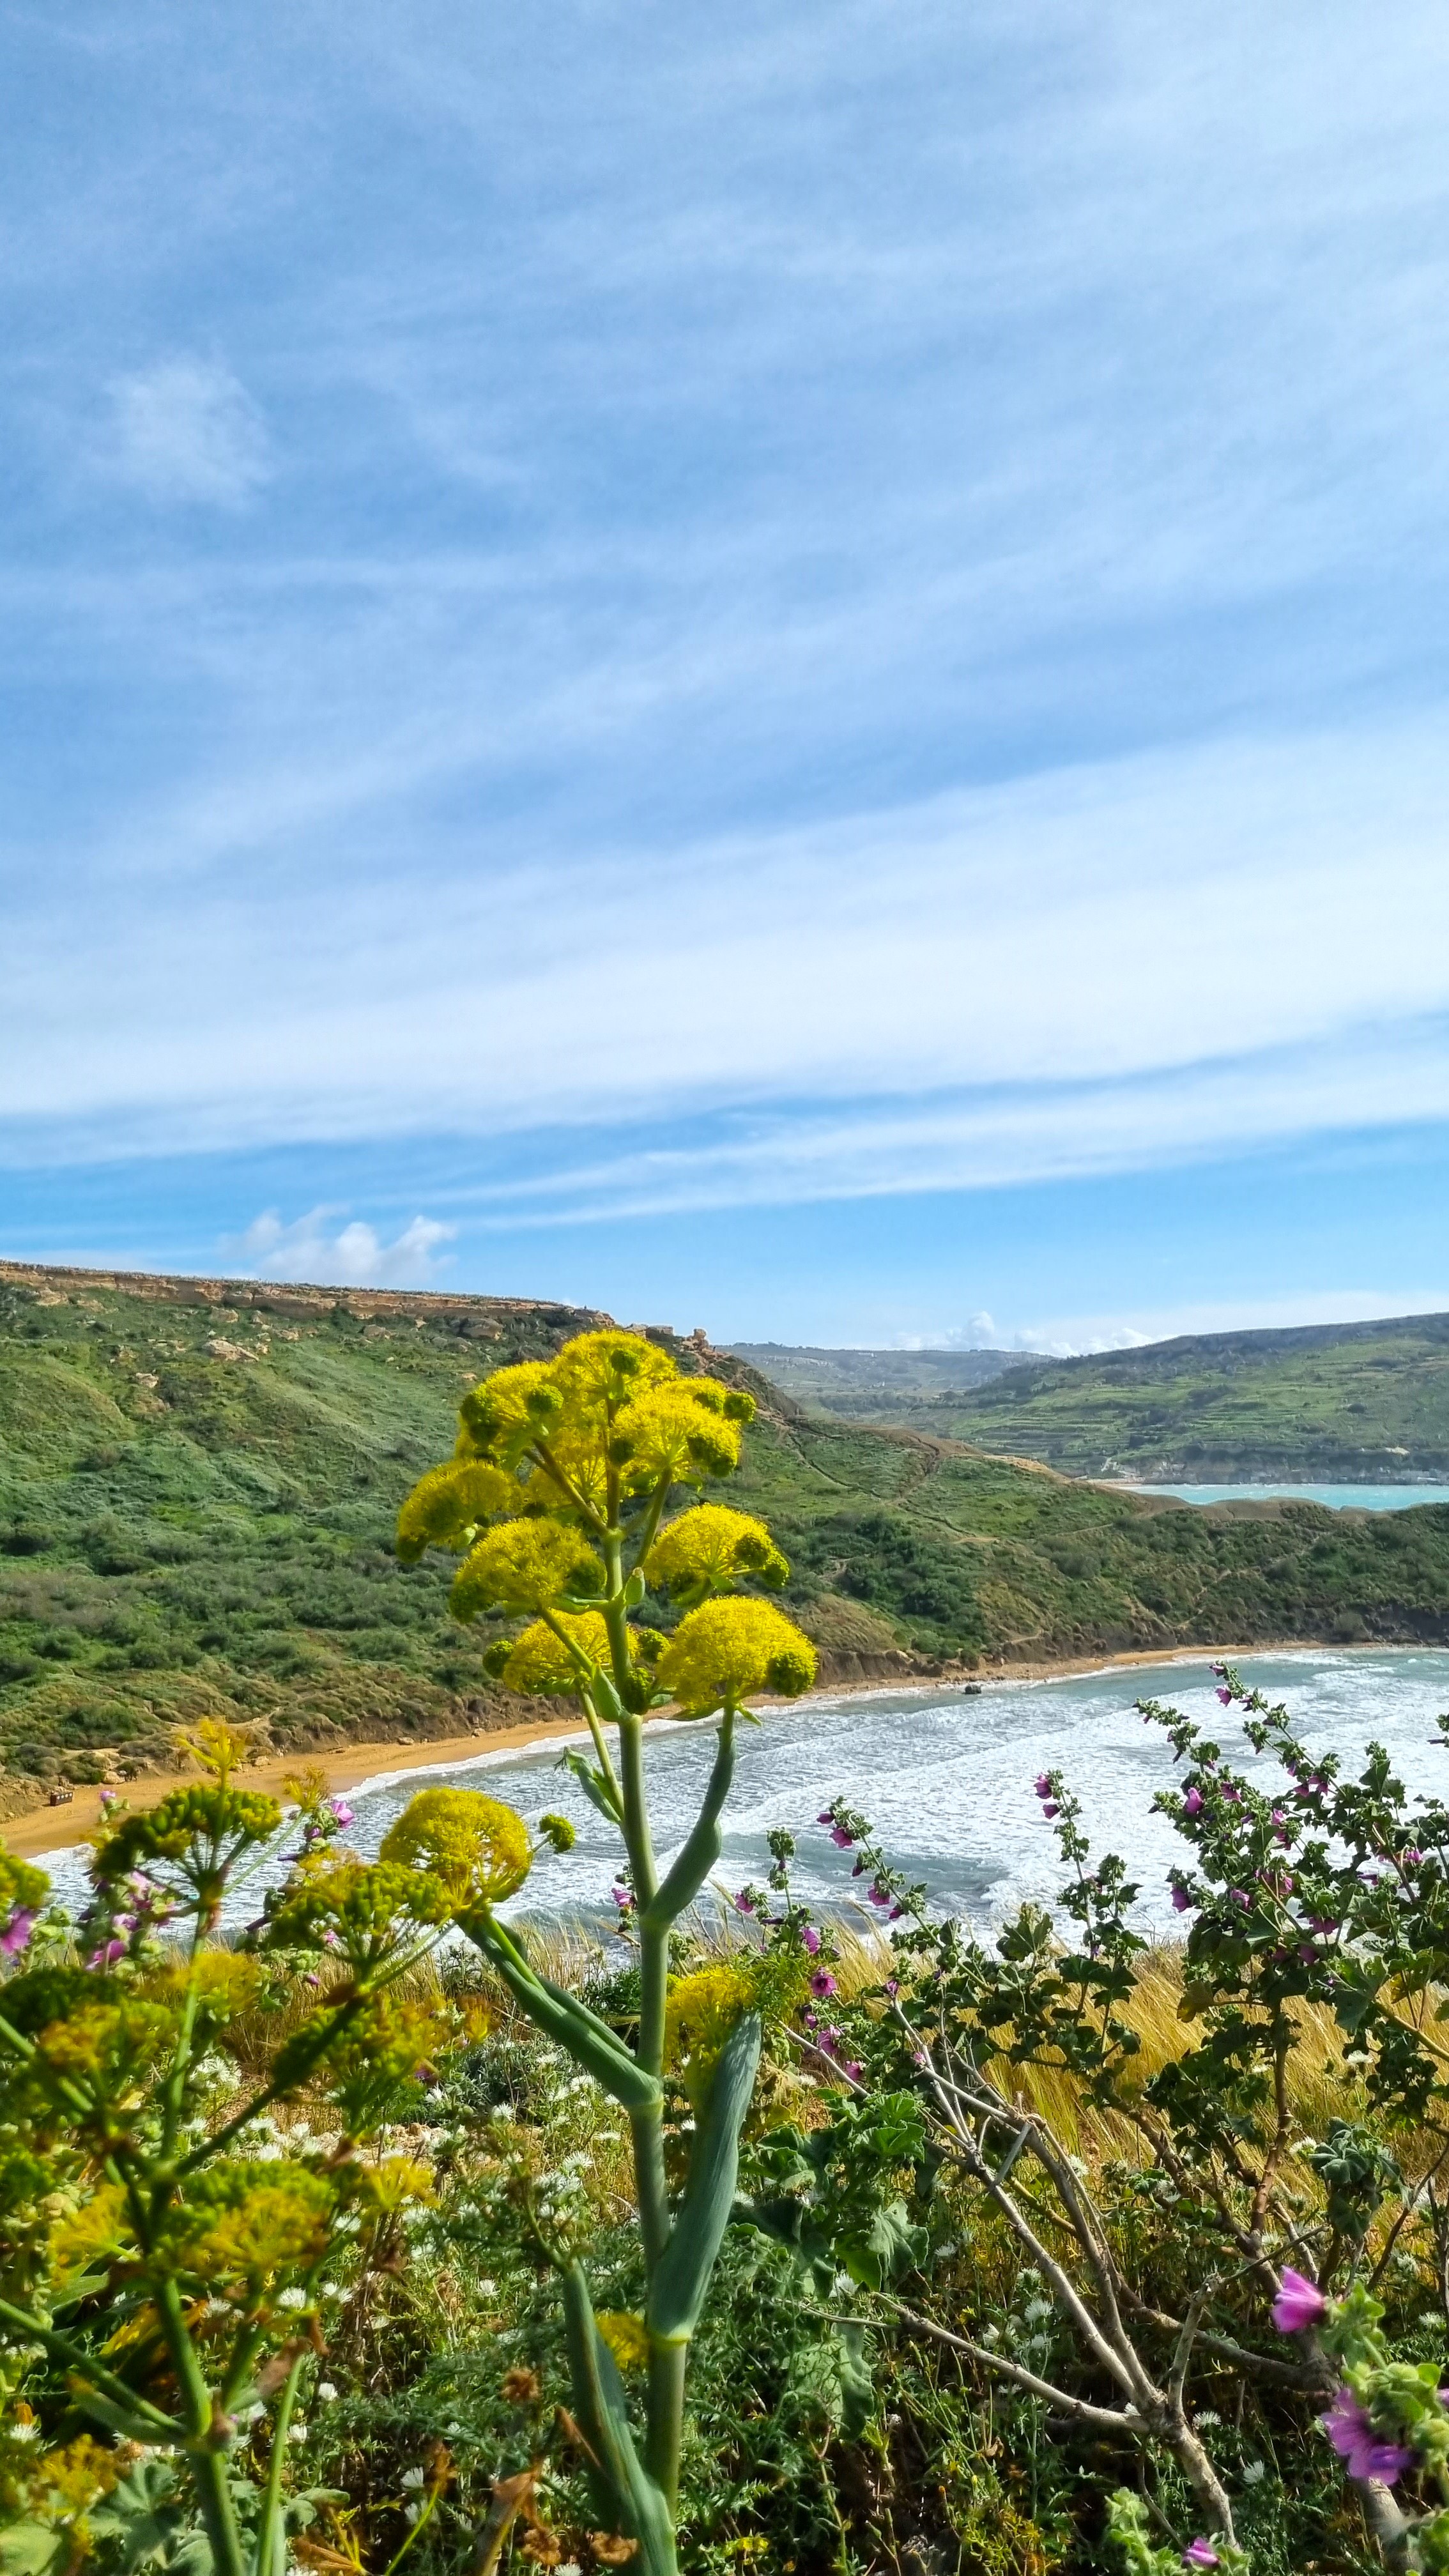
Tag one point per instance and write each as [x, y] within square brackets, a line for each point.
[811, 1938]
[1411, 1859]
[1358, 2446]
[1229, 1791]
[342, 1813]
[841, 1839]
[1043, 1784]
[1049, 1811]
[893, 1985]
[895, 1914]
[744, 1903]
[1200, 2553]
[1181, 1901]
[826, 1816]
[1226, 1696]
[853, 2071]
[1299, 2303]
[18, 1930]
[878, 1895]
[1323, 1923]
[1240, 1896]
[107, 1954]
[622, 1899]
[822, 1983]
[1192, 1803]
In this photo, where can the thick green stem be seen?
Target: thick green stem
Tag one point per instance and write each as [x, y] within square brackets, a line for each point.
[668, 2362]
[206, 2443]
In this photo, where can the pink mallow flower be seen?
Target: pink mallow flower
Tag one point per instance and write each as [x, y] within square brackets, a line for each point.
[1192, 1803]
[1226, 1696]
[1299, 2303]
[1043, 1784]
[841, 1839]
[342, 1813]
[1201, 2553]
[18, 1930]
[107, 1954]
[1358, 2445]
[822, 1983]
[1181, 1901]
[1049, 1811]
[810, 1937]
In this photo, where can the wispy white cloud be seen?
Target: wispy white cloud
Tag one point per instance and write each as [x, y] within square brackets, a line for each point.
[186, 430]
[315, 1247]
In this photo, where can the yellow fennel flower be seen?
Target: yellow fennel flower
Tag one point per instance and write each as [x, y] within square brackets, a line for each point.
[700, 2011]
[118, 2045]
[540, 1665]
[395, 2183]
[475, 1845]
[449, 1503]
[708, 1549]
[725, 1651]
[599, 1371]
[627, 2337]
[91, 2234]
[680, 1434]
[247, 2221]
[505, 1413]
[524, 1565]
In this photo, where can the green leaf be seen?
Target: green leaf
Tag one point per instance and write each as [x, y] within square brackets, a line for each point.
[593, 1784]
[31, 2548]
[682, 2278]
[880, 2253]
[857, 2380]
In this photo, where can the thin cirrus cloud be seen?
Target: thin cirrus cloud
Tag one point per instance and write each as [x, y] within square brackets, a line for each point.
[186, 430]
[1126, 963]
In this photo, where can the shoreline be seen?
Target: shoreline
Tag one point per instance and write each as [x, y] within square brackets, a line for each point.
[38, 1830]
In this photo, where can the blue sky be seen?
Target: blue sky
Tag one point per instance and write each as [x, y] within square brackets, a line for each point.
[781, 669]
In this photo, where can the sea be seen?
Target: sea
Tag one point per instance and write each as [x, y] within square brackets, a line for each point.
[1337, 1498]
[944, 1775]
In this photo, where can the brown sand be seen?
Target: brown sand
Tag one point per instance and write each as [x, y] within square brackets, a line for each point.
[46, 1829]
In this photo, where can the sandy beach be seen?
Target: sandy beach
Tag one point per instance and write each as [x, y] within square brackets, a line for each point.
[44, 1829]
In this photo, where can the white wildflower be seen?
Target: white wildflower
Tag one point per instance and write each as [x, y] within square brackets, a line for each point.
[326, 2391]
[412, 2477]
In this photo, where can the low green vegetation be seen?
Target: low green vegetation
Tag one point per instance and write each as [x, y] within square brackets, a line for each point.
[1324, 1404]
[198, 1486]
[371, 2237]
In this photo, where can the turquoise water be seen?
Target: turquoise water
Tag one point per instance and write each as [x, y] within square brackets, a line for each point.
[946, 1778]
[1360, 1498]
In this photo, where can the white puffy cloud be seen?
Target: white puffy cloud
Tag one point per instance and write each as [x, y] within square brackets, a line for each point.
[316, 1249]
[187, 430]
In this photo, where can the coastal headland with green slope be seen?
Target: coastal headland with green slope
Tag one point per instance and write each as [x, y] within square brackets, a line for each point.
[199, 1478]
[1317, 1404]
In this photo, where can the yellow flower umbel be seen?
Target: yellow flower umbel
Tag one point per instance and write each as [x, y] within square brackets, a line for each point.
[525, 1565]
[711, 1549]
[700, 2012]
[475, 1845]
[723, 1652]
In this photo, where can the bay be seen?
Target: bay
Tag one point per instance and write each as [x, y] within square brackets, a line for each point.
[945, 1777]
[1336, 1498]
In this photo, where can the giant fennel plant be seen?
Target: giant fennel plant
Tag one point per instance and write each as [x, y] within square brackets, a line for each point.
[558, 1498]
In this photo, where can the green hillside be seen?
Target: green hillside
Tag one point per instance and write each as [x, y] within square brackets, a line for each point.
[198, 1481]
[1325, 1404]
